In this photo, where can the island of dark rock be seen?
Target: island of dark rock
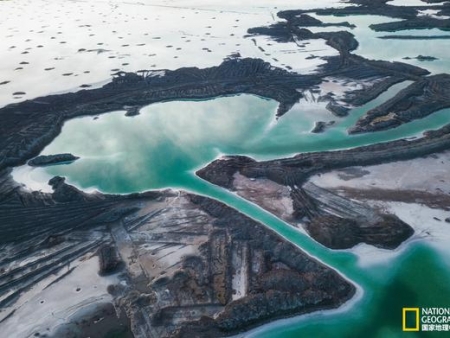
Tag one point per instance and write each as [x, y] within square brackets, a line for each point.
[44, 160]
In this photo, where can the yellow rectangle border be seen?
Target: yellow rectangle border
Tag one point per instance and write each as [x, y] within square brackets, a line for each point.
[411, 309]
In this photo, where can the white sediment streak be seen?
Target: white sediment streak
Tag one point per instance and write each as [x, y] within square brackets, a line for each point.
[47, 306]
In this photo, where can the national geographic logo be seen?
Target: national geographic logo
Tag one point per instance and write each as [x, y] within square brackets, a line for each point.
[426, 319]
[411, 318]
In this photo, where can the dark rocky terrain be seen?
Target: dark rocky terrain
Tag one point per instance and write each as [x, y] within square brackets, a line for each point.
[416, 101]
[41, 118]
[409, 14]
[241, 276]
[27, 127]
[332, 220]
[198, 268]
[45, 160]
[415, 37]
[349, 66]
[415, 23]
[295, 170]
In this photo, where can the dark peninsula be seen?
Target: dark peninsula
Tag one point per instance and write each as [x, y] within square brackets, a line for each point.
[44, 160]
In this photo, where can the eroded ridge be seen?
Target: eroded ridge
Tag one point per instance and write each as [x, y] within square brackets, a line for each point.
[182, 265]
[282, 187]
[211, 271]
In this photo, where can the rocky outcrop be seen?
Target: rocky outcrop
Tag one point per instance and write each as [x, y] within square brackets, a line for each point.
[277, 285]
[416, 101]
[66, 209]
[375, 76]
[45, 160]
[295, 170]
[422, 58]
[343, 233]
[220, 172]
[320, 126]
[421, 22]
[415, 37]
[341, 223]
[364, 7]
[377, 7]
[109, 259]
[193, 267]
[336, 109]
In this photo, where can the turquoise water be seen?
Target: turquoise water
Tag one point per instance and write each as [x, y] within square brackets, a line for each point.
[164, 145]
[418, 278]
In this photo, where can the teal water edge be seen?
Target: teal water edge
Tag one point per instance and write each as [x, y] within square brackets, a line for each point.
[417, 278]
[164, 146]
